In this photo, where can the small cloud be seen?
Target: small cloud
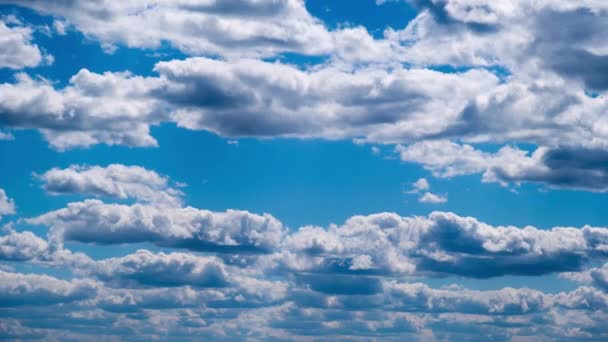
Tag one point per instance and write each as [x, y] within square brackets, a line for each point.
[233, 142]
[6, 136]
[60, 27]
[376, 150]
[421, 184]
[432, 198]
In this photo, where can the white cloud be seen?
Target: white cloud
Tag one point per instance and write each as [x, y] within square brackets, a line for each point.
[443, 243]
[240, 98]
[203, 27]
[16, 48]
[429, 197]
[164, 270]
[421, 185]
[115, 180]
[21, 246]
[7, 205]
[31, 289]
[235, 231]
[560, 167]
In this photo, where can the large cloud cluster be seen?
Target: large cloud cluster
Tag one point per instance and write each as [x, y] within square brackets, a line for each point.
[238, 269]
[462, 77]
[465, 71]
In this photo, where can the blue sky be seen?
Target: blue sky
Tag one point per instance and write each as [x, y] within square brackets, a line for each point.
[318, 170]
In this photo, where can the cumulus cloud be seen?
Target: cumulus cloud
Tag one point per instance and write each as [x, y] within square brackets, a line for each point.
[17, 289]
[596, 276]
[7, 205]
[21, 246]
[379, 244]
[539, 95]
[204, 27]
[114, 180]
[165, 270]
[240, 98]
[93, 221]
[560, 167]
[429, 197]
[462, 73]
[422, 186]
[16, 48]
[441, 244]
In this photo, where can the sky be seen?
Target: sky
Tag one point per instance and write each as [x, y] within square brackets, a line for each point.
[289, 170]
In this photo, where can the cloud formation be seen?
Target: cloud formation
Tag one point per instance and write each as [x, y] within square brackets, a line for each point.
[7, 205]
[233, 28]
[312, 277]
[561, 167]
[16, 48]
[93, 221]
[115, 180]
[459, 90]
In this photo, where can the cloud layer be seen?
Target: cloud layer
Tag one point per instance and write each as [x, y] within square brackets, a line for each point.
[235, 269]
[512, 91]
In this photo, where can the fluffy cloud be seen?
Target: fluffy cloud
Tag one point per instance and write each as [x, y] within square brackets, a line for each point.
[93, 109]
[254, 98]
[429, 197]
[32, 289]
[21, 246]
[542, 96]
[115, 180]
[596, 276]
[240, 98]
[379, 244]
[93, 221]
[423, 186]
[441, 244]
[204, 27]
[560, 167]
[175, 269]
[7, 205]
[16, 48]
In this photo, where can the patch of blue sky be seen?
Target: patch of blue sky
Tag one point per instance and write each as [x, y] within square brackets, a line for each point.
[368, 13]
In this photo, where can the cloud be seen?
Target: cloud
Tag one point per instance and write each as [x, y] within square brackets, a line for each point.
[421, 185]
[240, 98]
[438, 245]
[441, 244]
[233, 231]
[6, 136]
[93, 109]
[596, 276]
[17, 289]
[21, 246]
[233, 28]
[115, 180]
[476, 72]
[429, 197]
[7, 205]
[560, 167]
[16, 48]
[162, 270]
